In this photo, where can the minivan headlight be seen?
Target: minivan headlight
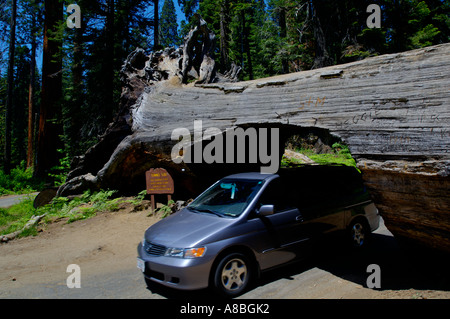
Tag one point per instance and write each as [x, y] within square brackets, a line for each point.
[185, 253]
[174, 252]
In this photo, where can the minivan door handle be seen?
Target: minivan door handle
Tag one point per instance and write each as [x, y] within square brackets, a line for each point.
[299, 218]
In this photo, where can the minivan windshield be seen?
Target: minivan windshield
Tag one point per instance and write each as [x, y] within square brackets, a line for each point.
[228, 197]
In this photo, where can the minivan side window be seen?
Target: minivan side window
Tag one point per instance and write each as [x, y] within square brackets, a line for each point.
[276, 194]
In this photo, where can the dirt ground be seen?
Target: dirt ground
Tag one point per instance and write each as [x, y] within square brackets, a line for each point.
[107, 242]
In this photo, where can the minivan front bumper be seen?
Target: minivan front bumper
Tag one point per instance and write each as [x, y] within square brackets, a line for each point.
[179, 273]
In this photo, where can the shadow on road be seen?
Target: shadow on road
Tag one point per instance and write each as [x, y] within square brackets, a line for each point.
[170, 293]
[402, 266]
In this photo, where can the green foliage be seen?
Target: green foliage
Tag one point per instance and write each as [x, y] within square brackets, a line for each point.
[59, 172]
[168, 25]
[424, 37]
[188, 7]
[166, 210]
[425, 33]
[290, 162]
[86, 206]
[93, 57]
[340, 155]
[15, 217]
[78, 208]
[265, 38]
[20, 180]
[283, 34]
[82, 207]
[137, 200]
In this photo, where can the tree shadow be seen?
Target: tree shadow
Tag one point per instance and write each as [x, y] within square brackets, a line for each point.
[401, 266]
[171, 293]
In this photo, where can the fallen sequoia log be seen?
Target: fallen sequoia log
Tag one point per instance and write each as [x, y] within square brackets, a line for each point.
[392, 110]
[32, 222]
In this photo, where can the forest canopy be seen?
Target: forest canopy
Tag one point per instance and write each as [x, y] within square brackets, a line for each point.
[60, 86]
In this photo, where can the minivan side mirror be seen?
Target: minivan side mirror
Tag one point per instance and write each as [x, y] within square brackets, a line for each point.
[266, 210]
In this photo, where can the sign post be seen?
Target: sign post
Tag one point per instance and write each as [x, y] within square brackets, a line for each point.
[159, 182]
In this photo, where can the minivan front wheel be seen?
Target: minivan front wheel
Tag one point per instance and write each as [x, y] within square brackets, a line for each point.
[232, 274]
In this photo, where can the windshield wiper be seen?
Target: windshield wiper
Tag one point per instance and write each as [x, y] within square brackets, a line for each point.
[202, 210]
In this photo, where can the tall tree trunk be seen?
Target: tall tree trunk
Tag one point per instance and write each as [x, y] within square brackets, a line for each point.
[283, 35]
[246, 44]
[322, 58]
[30, 146]
[156, 25]
[49, 128]
[77, 100]
[109, 63]
[9, 101]
[224, 23]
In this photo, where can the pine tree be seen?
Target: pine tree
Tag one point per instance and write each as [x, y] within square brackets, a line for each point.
[20, 110]
[224, 35]
[168, 25]
[424, 30]
[10, 83]
[32, 82]
[50, 128]
[264, 37]
[94, 54]
[189, 7]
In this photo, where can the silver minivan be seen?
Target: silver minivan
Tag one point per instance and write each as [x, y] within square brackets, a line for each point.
[251, 222]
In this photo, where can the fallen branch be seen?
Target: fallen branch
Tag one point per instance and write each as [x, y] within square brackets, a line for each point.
[32, 222]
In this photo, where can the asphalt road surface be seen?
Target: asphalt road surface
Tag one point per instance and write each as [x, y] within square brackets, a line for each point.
[332, 272]
[8, 201]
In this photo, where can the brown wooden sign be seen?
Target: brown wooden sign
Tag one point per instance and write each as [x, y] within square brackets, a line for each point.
[159, 181]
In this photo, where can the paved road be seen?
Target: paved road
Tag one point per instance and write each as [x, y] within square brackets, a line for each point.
[331, 273]
[8, 201]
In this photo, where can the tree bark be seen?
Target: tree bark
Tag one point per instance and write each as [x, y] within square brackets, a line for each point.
[30, 144]
[9, 101]
[50, 112]
[197, 53]
[76, 103]
[246, 44]
[32, 222]
[224, 31]
[322, 58]
[283, 35]
[109, 62]
[156, 25]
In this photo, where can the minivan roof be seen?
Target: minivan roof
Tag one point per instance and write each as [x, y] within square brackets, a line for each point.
[251, 175]
[328, 173]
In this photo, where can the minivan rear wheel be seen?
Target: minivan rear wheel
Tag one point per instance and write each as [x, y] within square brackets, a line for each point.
[232, 274]
[359, 233]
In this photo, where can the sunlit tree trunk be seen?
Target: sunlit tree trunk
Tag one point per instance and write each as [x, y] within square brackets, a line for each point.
[9, 101]
[30, 146]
